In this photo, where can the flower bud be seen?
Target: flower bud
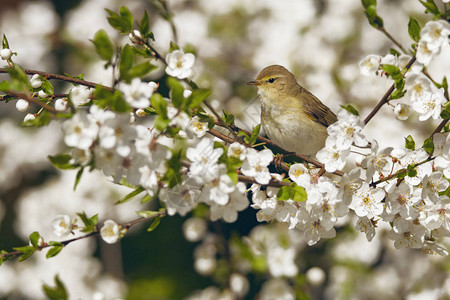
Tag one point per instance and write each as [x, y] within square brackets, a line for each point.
[35, 81]
[140, 113]
[5, 53]
[61, 104]
[22, 105]
[29, 117]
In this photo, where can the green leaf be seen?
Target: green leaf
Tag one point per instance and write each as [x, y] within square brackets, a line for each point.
[228, 118]
[129, 196]
[103, 45]
[374, 20]
[147, 213]
[350, 109]
[255, 133]
[197, 97]
[144, 26]
[89, 223]
[147, 198]
[414, 29]
[18, 78]
[428, 145]
[430, 7]
[445, 113]
[78, 178]
[394, 52]
[56, 293]
[176, 90]
[154, 224]
[5, 86]
[409, 143]
[34, 239]
[393, 71]
[173, 47]
[26, 250]
[293, 192]
[159, 104]
[140, 70]
[47, 87]
[411, 171]
[5, 43]
[126, 62]
[367, 3]
[106, 98]
[123, 23]
[53, 251]
[61, 161]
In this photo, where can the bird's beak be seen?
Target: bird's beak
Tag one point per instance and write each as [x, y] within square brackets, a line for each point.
[256, 82]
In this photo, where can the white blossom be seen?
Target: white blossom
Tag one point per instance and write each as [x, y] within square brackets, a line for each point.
[438, 215]
[299, 174]
[194, 229]
[236, 150]
[369, 65]
[435, 34]
[366, 226]
[138, 93]
[377, 161]
[402, 199]
[432, 184]
[110, 232]
[204, 157]
[62, 225]
[347, 130]
[80, 131]
[424, 54]
[441, 151]
[255, 165]
[406, 234]
[197, 127]
[332, 156]
[276, 288]
[79, 95]
[418, 87]
[237, 202]
[402, 111]
[281, 261]
[180, 199]
[367, 201]
[179, 64]
[430, 106]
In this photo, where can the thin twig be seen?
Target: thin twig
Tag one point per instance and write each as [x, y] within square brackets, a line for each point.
[60, 77]
[389, 36]
[385, 98]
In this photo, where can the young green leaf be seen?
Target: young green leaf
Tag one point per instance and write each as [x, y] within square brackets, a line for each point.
[430, 7]
[293, 192]
[197, 97]
[350, 109]
[414, 29]
[53, 251]
[154, 224]
[126, 62]
[56, 293]
[5, 43]
[89, 223]
[428, 145]
[144, 26]
[409, 143]
[34, 239]
[47, 87]
[42, 119]
[26, 250]
[176, 90]
[141, 70]
[147, 213]
[129, 196]
[78, 178]
[411, 171]
[61, 161]
[159, 104]
[103, 45]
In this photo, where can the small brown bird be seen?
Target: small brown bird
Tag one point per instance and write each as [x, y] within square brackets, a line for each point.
[291, 116]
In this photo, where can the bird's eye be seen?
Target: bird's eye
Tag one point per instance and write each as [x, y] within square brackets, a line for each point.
[271, 80]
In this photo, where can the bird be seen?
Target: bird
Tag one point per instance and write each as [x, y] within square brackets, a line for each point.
[291, 116]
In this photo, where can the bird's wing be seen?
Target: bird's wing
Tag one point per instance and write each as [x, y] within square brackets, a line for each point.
[316, 110]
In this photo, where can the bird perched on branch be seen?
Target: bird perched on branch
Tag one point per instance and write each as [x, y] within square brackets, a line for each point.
[291, 116]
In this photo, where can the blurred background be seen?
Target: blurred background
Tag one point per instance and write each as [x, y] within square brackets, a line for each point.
[320, 41]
